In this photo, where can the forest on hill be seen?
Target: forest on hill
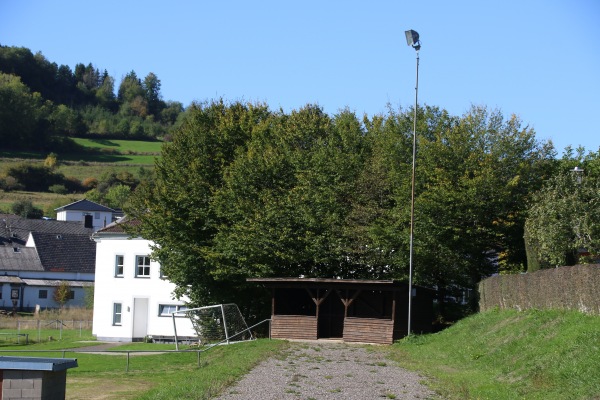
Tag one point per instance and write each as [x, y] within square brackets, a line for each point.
[43, 103]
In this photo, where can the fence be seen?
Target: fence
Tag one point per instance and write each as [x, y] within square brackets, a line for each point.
[17, 325]
[564, 288]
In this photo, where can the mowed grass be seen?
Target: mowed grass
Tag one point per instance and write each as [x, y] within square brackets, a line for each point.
[122, 146]
[160, 375]
[510, 355]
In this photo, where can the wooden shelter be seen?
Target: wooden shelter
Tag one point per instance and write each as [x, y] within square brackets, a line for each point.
[369, 311]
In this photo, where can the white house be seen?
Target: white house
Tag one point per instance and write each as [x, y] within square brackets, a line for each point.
[132, 300]
[37, 256]
[92, 215]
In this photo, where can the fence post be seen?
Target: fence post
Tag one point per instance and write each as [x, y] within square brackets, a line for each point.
[39, 329]
[127, 368]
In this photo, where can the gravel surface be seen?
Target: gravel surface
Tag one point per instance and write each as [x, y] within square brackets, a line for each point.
[329, 371]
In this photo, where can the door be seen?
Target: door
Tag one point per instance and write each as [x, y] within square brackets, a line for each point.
[140, 318]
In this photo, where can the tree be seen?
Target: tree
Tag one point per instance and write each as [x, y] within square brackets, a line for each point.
[23, 115]
[62, 293]
[175, 208]
[563, 227]
[26, 209]
[476, 174]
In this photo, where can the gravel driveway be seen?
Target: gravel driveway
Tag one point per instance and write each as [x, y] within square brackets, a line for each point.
[319, 370]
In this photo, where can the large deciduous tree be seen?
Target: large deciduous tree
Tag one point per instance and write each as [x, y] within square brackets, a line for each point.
[563, 227]
[242, 191]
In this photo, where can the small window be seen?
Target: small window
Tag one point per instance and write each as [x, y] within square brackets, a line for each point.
[96, 215]
[119, 266]
[43, 294]
[143, 267]
[165, 310]
[71, 294]
[117, 314]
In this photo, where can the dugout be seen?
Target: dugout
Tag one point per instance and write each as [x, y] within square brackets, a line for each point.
[369, 311]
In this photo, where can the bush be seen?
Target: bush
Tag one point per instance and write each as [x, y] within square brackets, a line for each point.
[58, 189]
[25, 209]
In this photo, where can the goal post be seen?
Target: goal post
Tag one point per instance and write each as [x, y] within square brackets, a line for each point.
[221, 323]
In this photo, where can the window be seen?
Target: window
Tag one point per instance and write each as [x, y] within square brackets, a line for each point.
[117, 314]
[43, 294]
[165, 310]
[143, 266]
[71, 294]
[96, 215]
[119, 266]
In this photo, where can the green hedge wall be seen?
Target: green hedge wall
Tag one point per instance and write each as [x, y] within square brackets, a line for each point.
[566, 288]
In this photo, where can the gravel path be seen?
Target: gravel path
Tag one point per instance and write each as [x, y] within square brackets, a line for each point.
[329, 371]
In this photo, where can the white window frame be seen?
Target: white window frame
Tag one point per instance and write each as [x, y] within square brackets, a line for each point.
[141, 269]
[165, 310]
[119, 265]
[117, 314]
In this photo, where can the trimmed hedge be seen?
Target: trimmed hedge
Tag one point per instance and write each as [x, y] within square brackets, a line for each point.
[566, 288]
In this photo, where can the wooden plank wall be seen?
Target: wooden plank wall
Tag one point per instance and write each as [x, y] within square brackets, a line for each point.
[294, 327]
[368, 330]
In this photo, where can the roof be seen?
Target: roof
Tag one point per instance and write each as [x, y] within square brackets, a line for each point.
[37, 363]
[24, 259]
[85, 205]
[55, 282]
[14, 230]
[65, 252]
[119, 226]
[366, 284]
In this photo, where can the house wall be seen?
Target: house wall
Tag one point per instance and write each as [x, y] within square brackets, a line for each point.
[29, 297]
[140, 297]
[100, 220]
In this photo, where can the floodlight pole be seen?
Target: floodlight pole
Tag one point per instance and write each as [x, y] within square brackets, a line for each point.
[412, 39]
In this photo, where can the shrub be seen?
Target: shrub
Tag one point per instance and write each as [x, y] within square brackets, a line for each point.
[89, 183]
[58, 189]
[26, 209]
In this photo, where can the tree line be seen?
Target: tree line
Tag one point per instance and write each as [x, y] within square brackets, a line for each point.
[244, 191]
[43, 102]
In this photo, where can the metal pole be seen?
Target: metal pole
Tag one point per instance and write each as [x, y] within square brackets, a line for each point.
[225, 324]
[175, 331]
[412, 202]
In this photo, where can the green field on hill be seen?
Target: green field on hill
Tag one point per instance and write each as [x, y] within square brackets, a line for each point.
[105, 155]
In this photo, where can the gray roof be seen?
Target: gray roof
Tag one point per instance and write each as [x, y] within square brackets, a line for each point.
[25, 259]
[85, 205]
[55, 282]
[65, 252]
[14, 230]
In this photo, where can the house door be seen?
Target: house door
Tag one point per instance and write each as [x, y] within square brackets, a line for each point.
[140, 318]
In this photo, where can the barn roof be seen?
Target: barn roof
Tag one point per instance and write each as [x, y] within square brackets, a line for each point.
[84, 205]
[65, 252]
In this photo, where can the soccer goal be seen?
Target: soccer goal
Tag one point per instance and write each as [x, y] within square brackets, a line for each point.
[221, 323]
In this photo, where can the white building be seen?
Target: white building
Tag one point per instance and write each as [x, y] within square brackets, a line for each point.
[132, 300]
[92, 215]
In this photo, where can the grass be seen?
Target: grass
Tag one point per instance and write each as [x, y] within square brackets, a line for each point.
[510, 355]
[122, 146]
[182, 375]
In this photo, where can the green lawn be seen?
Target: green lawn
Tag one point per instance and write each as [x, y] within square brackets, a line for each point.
[511, 355]
[121, 146]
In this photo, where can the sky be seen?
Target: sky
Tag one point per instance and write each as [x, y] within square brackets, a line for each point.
[537, 59]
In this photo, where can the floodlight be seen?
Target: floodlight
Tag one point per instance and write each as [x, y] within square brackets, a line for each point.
[412, 39]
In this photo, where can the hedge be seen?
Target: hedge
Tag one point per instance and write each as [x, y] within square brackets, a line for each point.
[565, 288]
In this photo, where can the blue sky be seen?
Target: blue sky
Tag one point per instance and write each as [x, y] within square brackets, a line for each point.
[537, 59]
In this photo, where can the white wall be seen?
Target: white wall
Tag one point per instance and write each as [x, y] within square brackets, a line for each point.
[100, 220]
[152, 291]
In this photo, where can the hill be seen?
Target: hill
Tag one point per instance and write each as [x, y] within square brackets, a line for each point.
[510, 355]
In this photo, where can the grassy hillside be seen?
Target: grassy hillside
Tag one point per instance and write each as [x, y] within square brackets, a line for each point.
[511, 355]
[105, 155]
